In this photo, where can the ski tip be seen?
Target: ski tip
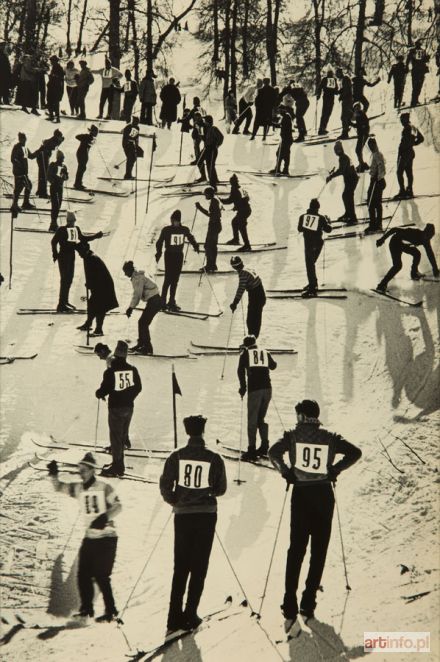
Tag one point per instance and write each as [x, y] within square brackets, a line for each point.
[228, 599]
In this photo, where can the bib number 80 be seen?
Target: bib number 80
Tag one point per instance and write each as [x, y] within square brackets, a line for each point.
[193, 475]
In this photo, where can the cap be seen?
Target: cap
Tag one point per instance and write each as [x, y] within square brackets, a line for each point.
[248, 341]
[70, 217]
[405, 115]
[236, 261]
[128, 266]
[89, 461]
[194, 425]
[309, 408]
[314, 204]
[176, 215]
[121, 349]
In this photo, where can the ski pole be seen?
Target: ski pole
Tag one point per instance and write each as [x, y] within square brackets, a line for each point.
[238, 480]
[117, 166]
[149, 174]
[87, 322]
[136, 192]
[323, 266]
[180, 150]
[347, 585]
[227, 346]
[192, 227]
[11, 245]
[97, 423]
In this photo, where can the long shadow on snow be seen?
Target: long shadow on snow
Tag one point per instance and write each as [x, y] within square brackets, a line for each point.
[323, 645]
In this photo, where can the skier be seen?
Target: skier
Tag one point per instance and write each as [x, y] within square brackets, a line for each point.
[144, 289]
[85, 79]
[376, 188]
[86, 140]
[348, 172]
[100, 504]
[108, 75]
[311, 452]
[63, 243]
[248, 280]
[346, 99]
[418, 59]
[362, 124]
[130, 89]
[55, 89]
[405, 240]
[214, 215]
[359, 82]
[213, 139]
[43, 155]
[104, 353]
[245, 104]
[173, 236]
[20, 169]
[312, 224]
[256, 363]
[122, 384]
[196, 108]
[170, 97]
[192, 478]
[328, 87]
[240, 199]
[130, 145]
[410, 137]
[301, 105]
[398, 75]
[265, 101]
[147, 97]
[57, 174]
[198, 135]
[101, 287]
[286, 141]
[71, 86]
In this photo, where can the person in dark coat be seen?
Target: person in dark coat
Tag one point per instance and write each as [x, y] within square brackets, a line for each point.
[27, 92]
[170, 97]
[86, 140]
[130, 145]
[57, 174]
[148, 98]
[43, 155]
[130, 89]
[328, 87]
[20, 169]
[100, 284]
[55, 89]
[346, 99]
[5, 74]
[398, 75]
[301, 105]
[264, 103]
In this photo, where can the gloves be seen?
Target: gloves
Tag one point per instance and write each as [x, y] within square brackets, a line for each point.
[333, 474]
[99, 234]
[52, 468]
[197, 248]
[328, 178]
[129, 311]
[289, 476]
[158, 256]
[233, 307]
[99, 395]
[379, 242]
[198, 205]
[242, 391]
[55, 258]
[100, 522]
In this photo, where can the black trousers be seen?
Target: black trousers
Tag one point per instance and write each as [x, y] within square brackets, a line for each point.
[130, 153]
[95, 313]
[283, 155]
[43, 164]
[106, 96]
[82, 167]
[405, 167]
[256, 303]
[300, 111]
[312, 251]
[417, 84]
[56, 199]
[346, 115]
[362, 138]
[173, 269]
[146, 113]
[72, 96]
[348, 198]
[127, 108]
[399, 86]
[244, 115]
[53, 106]
[363, 100]
[193, 538]
[81, 93]
[374, 199]
[239, 225]
[261, 119]
[66, 265]
[327, 108]
[154, 305]
[397, 247]
[21, 182]
[210, 157]
[96, 560]
[211, 249]
[119, 419]
[311, 518]
[199, 161]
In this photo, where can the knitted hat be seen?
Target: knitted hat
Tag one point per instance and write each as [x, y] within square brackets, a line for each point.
[208, 189]
[89, 461]
[70, 217]
[121, 349]
[248, 341]
[194, 425]
[236, 262]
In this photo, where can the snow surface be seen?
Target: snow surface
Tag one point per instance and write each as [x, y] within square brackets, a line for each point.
[371, 363]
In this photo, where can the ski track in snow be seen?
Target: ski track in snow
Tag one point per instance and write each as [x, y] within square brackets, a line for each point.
[371, 364]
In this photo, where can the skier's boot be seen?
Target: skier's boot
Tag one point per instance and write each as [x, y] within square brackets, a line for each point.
[381, 288]
[263, 449]
[416, 275]
[250, 455]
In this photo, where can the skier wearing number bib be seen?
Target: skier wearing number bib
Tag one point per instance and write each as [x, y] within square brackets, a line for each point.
[312, 471]
[256, 363]
[144, 289]
[173, 236]
[240, 199]
[328, 87]
[192, 478]
[100, 504]
[122, 384]
[248, 280]
[66, 238]
[130, 145]
[57, 174]
[312, 225]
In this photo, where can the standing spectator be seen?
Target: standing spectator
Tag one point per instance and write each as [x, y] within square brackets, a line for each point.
[108, 75]
[301, 105]
[346, 99]
[264, 102]
[148, 98]
[27, 92]
[398, 75]
[44, 69]
[43, 154]
[376, 188]
[418, 59]
[230, 105]
[130, 90]
[359, 82]
[71, 87]
[57, 174]
[348, 172]
[83, 82]
[245, 107]
[213, 140]
[170, 97]
[5, 74]
[328, 87]
[55, 89]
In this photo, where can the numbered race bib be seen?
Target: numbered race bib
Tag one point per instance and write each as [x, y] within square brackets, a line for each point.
[418, 54]
[134, 133]
[311, 458]
[25, 152]
[331, 83]
[193, 474]
[177, 239]
[311, 222]
[127, 87]
[72, 235]
[258, 358]
[414, 132]
[93, 503]
[123, 379]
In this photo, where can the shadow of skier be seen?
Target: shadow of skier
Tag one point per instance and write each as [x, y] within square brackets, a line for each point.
[322, 645]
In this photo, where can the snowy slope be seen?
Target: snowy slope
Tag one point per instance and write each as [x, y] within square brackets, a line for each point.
[372, 364]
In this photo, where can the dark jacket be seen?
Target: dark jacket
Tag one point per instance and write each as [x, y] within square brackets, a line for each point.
[312, 226]
[418, 60]
[346, 91]
[57, 174]
[257, 363]
[170, 97]
[265, 101]
[328, 87]
[130, 89]
[192, 478]
[312, 451]
[240, 201]
[346, 169]
[121, 382]
[410, 137]
[19, 159]
[361, 122]
[48, 145]
[55, 84]
[130, 136]
[174, 239]
[100, 283]
[86, 140]
[397, 72]
[286, 129]
[67, 238]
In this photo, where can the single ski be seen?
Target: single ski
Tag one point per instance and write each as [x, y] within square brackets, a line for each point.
[139, 179]
[191, 184]
[298, 290]
[50, 311]
[417, 304]
[86, 352]
[424, 103]
[99, 448]
[298, 297]
[41, 231]
[429, 279]
[279, 175]
[219, 272]
[363, 233]
[229, 455]
[361, 221]
[254, 249]
[236, 451]
[191, 312]
[191, 316]
[235, 350]
[18, 358]
[237, 246]
[70, 470]
[414, 197]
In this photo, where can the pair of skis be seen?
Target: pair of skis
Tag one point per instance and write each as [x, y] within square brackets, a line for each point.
[327, 293]
[139, 452]
[233, 453]
[88, 350]
[362, 233]
[7, 360]
[71, 468]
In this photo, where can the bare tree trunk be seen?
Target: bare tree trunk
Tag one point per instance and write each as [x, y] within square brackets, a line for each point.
[46, 27]
[21, 25]
[410, 7]
[132, 22]
[272, 18]
[227, 46]
[149, 49]
[81, 28]
[114, 48]
[215, 55]
[319, 19]
[30, 22]
[245, 57]
[359, 42]
[69, 27]
[233, 83]
[40, 18]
